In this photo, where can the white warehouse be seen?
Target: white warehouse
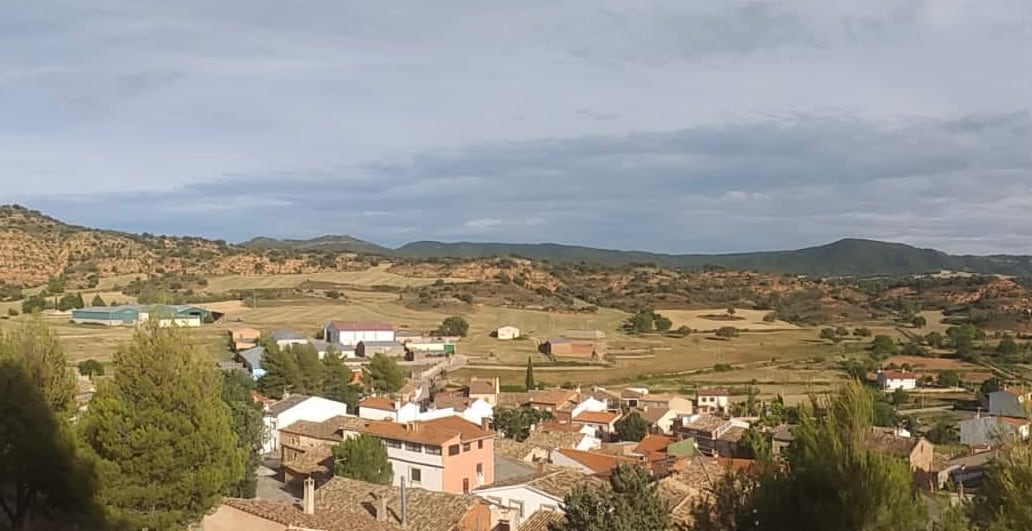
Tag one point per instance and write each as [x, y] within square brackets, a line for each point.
[351, 332]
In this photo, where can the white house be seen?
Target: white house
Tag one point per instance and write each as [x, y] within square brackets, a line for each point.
[1009, 403]
[292, 409]
[710, 400]
[507, 332]
[288, 338]
[992, 431]
[380, 408]
[351, 332]
[545, 491]
[892, 380]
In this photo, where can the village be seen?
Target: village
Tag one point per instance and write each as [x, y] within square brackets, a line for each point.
[448, 448]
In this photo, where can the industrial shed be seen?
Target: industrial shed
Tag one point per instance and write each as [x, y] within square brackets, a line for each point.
[131, 314]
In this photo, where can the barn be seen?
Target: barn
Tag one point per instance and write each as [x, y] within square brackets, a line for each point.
[131, 314]
[352, 332]
[507, 332]
[576, 344]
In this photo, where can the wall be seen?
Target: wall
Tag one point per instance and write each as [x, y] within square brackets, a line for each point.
[227, 518]
[922, 456]
[352, 337]
[533, 499]
[314, 409]
[561, 460]
[508, 332]
[431, 467]
[589, 404]
[463, 466]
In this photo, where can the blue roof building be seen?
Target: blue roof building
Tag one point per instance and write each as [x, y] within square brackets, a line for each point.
[252, 360]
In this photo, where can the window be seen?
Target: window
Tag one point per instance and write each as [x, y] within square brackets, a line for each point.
[391, 443]
[414, 447]
[466, 447]
[480, 468]
[415, 474]
[480, 444]
[518, 505]
[433, 450]
[453, 449]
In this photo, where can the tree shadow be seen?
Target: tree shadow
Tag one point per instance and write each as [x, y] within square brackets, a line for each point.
[44, 483]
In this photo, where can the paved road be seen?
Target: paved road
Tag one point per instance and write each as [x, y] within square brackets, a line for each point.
[269, 485]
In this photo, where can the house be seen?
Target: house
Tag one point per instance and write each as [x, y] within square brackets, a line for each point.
[576, 344]
[1009, 403]
[382, 408]
[244, 338]
[541, 491]
[632, 396]
[552, 436]
[288, 338]
[413, 508]
[485, 389]
[692, 478]
[992, 430]
[306, 447]
[131, 314]
[252, 361]
[293, 408]
[892, 380]
[368, 349]
[543, 520]
[588, 462]
[601, 423]
[917, 451]
[448, 454]
[676, 403]
[558, 402]
[713, 435]
[781, 439]
[352, 332]
[507, 332]
[713, 400]
[611, 400]
[661, 419]
[234, 514]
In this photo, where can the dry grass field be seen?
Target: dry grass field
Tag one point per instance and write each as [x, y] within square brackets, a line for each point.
[742, 320]
[375, 276]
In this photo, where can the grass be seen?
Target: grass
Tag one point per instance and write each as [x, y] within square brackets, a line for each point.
[376, 276]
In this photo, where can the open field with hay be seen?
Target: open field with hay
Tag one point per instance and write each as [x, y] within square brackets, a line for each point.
[374, 276]
[712, 319]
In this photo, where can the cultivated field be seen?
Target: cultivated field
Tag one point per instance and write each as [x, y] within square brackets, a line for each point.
[375, 276]
[742, 320]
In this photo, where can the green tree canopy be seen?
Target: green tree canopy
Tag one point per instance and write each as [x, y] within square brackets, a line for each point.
[363, 458]
[631, 503]
[948, 378]
[528, 378]
[727, 332]
[282, 373]
[70, 301]
[91, 367]
[1008, 347]
[310, 369]
[934, 339]
[662, 323]
[246, 421]
[161, 435]
[831, 479]
[515, 422]
[97, 301]
[882, 346]
[454, 326]
[632, 427]
[919, 321]
[337, 382]
[383, 374]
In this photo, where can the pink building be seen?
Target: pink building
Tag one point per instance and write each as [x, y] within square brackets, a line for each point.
[448, 454]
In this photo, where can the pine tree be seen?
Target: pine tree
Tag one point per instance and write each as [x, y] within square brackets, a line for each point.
[282, 373]
[528, 381]
[246, 417]
[383, 374]
[43, 479]
[1004, 500]
[97, 301]
[631, 503]
[161, 434]
[633, 427]
[363, 458]
[309, 369]
[337, 382]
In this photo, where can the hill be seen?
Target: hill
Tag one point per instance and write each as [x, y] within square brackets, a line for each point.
[328, 243]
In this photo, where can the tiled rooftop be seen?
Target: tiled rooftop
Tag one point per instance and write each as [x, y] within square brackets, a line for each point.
[426, 510]
[597, 462]
[329, 519]
[542, 520]
[326, 429]
[597, 417]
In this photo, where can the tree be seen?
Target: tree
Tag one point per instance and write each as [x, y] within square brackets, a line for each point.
[1005, 496]
[989, 386]
[633, 427]
[97, 301]
[453, 326]
[363, 458]
[631, 503]
[34, 303]
[91, 367]
[282, 373]
[1008, 347]
[862, 332]
[515, 422]
[900, 397]
[160, 434]
[882, 346]
[383, 375]
[43, 478]
[528, 380]
[727, 332]
[730, 310]
[943, 432]
[246, 421]
[641, 322]
[934, 339]
[756, 445]
[948, 378]
[309, 367]
[919, 321]
[829, 334]
[831, 479]
[662, 323]
[70, 301]
[337, 382]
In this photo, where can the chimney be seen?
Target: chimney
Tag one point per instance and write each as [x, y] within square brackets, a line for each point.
[308, 500]
[381, 508]
[485, 423]
[541, 467]
[404, 504]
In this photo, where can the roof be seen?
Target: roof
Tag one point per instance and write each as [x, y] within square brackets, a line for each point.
[733, 434]
[556, 481]
[286, 335]
[282, 405]
[716, 391]
[552, 397]
[653, 414]
[448, 400]
[425, 510]
[542, 520]
[506, 398]
[585, 334]
[886, 440]
[704, 422]
[326, 429]
[595, 461]
[313, 460]
[898, 375]
[554, 439]
[511, 449]
[481, 386]
[557, 339]
[1013, 422]
[597, 417]
[245, 333]
[783, 433]
[288, 514]
[391, 344]
[361, 326]
[506, 468]
[378, 402]
[653, 443]
[253, 356]
[433, 432]
[691, 478]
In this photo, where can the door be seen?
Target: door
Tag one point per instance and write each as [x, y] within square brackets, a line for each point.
[465, 485]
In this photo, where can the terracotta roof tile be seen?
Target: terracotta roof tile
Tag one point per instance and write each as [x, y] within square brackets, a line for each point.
[436, 431]
[899, 375]
[597, 462]
[552, 397]
[542, 520]
[425, 511]
[653, 443]
[554, 439]
[330, 519]
[378, 402]
[326, 429]
[597, 417]
[479, 386]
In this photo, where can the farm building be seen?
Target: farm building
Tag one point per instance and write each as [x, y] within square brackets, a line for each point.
[576, 344]
[431, 346]
[252, 360]
[288, 338]
[244, 338]
[351, 332]
[367, 349]
[168, 315]
[507, 332]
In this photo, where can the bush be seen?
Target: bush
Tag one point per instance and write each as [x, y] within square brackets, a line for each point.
[723, 367]
[12, 312]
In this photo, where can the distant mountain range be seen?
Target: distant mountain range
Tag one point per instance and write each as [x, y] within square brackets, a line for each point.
[847, 257]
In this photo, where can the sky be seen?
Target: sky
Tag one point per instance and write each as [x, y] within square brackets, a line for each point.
[672, 126]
